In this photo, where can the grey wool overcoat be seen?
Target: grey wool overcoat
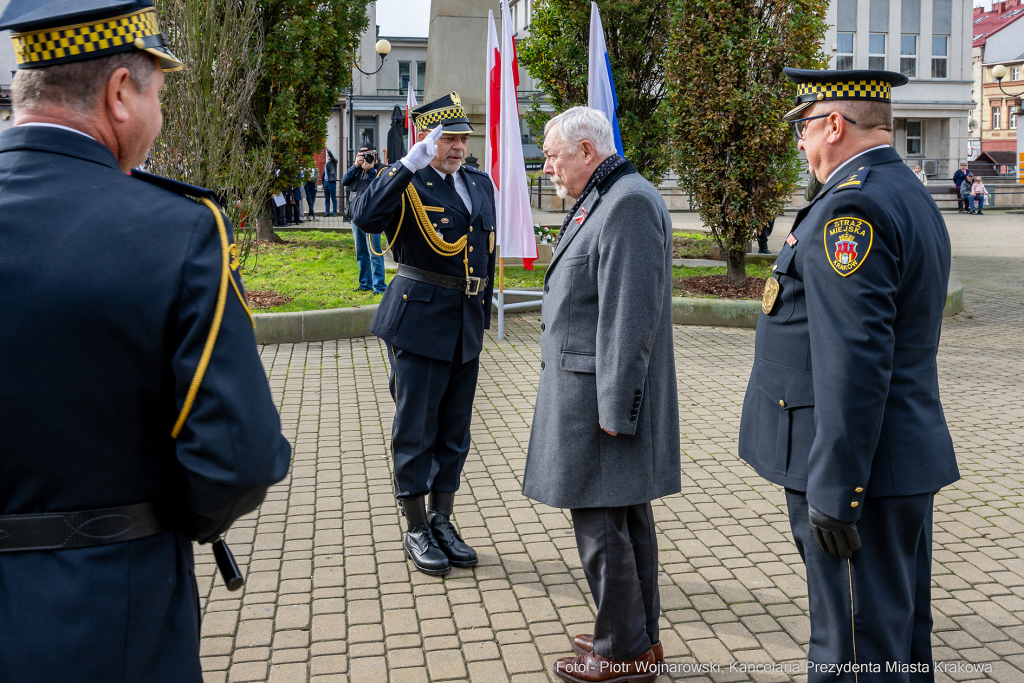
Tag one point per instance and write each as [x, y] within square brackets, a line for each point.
[606, 355]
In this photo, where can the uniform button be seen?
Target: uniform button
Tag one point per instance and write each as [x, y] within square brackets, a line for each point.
[481, 302]
[542, 327]
[492, 227]
[782, 403]
[471, 228]
[774, 267]
[471, 248]
[471, 270]
[637, 393]
[854, 504]
[405, 296]
[859, 489]
[542, 365]
[434, 224]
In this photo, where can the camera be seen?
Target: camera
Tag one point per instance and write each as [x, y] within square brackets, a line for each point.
[369, 157]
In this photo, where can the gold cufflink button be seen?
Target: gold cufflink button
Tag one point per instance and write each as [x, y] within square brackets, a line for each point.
[854, 504]
[859, 489]
[782, 403]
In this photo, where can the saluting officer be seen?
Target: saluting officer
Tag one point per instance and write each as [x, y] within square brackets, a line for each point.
[136, 415]
[842, 408]
[439, 219]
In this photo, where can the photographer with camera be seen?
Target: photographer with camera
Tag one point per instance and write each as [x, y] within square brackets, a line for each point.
[358, 178]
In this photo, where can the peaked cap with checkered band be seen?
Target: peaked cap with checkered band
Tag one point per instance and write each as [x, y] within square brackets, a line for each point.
[48, 32]
[446, 111]
[866, 84]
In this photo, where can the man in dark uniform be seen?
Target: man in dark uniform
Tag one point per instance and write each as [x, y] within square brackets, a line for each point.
[438, 216]
[136, 415]
[843, 405]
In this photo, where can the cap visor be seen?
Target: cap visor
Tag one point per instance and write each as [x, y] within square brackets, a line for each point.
[794, 113]
[168, 62]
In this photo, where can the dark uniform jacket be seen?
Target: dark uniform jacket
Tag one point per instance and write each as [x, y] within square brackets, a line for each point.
[843, 399]
[416, 316]
[108, 286]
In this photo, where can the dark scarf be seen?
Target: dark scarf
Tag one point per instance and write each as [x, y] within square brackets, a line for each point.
[603, 170]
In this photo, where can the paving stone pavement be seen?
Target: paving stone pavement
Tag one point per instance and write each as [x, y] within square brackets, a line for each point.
[329, 596]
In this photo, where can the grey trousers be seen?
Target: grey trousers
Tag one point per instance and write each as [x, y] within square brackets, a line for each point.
[619, 551]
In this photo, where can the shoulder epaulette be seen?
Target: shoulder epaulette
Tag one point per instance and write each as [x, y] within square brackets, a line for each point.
[177, 187]
[476, 170]
[854, 180]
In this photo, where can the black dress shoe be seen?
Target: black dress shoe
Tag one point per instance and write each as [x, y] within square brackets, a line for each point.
[420, 545]
[458, 551]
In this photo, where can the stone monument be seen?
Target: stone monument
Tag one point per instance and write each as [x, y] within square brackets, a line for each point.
[456, 58]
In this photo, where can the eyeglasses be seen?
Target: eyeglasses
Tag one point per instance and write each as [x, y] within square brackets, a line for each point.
[799, 124]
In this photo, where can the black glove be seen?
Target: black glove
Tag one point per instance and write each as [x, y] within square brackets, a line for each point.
[833, 536]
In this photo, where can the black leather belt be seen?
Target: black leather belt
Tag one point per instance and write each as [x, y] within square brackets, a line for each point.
[469, 285]
[60, 530]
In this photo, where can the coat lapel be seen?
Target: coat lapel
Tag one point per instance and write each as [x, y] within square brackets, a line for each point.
[475, 194]
[585, 211]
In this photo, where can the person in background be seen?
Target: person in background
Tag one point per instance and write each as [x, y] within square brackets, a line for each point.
[920, 174]
[295, 204]
[330, 181]
[309, 186]
[762, 238]
[964, 192]
[958, 178]
[978, 194]
[371, 264]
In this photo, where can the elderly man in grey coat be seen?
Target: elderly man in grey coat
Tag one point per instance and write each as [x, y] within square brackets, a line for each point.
[605, 438]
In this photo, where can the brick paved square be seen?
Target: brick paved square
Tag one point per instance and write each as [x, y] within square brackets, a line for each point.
[329, 596]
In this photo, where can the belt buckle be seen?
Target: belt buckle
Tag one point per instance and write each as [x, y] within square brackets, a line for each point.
[473, 286]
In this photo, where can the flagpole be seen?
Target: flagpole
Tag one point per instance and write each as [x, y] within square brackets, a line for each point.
[501, 297]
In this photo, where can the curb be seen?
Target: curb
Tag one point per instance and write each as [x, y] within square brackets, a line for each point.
[344, 323]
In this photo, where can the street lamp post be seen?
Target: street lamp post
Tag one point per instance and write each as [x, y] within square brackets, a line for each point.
[999, 73]
[383, 48]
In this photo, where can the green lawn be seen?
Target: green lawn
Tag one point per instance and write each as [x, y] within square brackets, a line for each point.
[318, 270]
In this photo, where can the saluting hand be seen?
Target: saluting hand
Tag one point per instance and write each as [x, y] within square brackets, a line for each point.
[423, 152]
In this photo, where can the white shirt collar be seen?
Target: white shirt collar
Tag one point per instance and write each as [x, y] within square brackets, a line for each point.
[56, 125]
[851, 159]
[460, 187]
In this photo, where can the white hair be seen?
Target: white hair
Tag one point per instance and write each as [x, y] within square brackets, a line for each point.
[583, 123]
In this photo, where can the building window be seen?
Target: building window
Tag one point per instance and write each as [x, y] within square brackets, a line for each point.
[1012, 118]
[908, 55]
[996, 113]
[940, 55]
[1015, 73]
[876, 51]
[421, 75]
[844, 51]
[915, 136]
[403, 76]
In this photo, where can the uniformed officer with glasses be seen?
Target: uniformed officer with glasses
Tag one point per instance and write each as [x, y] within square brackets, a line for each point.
[438, 216]
[842, 407]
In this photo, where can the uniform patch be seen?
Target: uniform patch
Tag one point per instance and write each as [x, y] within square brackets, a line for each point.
[771, 293]
[233, 251]
[581, 216]
[445, 221]
[847, 243]
[854, 180]
[791, 240]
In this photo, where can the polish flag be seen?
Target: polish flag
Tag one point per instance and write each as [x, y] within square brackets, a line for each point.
[410, 104]
[503, 158]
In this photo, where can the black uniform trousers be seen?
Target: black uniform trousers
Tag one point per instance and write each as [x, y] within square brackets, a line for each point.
[433, 409]
[887, 583]
[618, 548]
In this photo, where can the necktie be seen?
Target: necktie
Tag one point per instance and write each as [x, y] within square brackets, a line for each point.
[449, 179]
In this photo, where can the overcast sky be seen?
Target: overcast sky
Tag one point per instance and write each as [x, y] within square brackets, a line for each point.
[403, 17]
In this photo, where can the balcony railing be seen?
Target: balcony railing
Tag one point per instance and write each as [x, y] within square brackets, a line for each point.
[390, 92]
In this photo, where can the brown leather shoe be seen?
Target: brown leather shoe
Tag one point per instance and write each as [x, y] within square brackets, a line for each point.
[584, 643]
[593, 668]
